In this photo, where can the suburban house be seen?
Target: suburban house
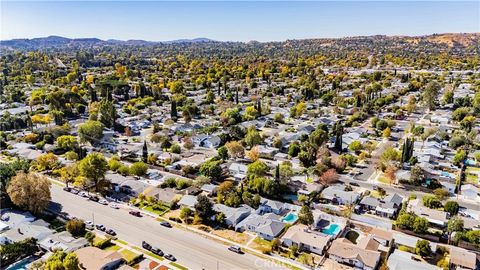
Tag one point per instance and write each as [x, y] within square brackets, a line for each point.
[17, 226]
[463, 259]
[387, 207]
[95, 258]
[233, 215]
[346, 252]
[163, 195]
[306, 239]
[207, 141]
[64, 241]
[270, 206]
[434, 217]
[337, 195]
[402, 260]
[188, 201]
[238, 171]
[267, 226]
[210, 189]
[470, 192]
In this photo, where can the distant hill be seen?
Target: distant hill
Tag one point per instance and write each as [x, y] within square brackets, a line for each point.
[450, 40]
[56, 41]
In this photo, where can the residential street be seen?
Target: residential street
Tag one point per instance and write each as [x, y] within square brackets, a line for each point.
[191, 250]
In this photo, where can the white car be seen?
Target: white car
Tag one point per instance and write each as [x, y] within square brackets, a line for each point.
[83, 194]
[114, 206]
[103, 201]
[88, 223]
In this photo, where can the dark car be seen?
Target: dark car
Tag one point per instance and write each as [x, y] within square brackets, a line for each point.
[94, 198]
[354, 184]
[235, 249]
[111, 232]
[170, 257]
[166, 224]
[156, 251]
[67, 189]
[135, 213]
[146, 245]
[100, 227]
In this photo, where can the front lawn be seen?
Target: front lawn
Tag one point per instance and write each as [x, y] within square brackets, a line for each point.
[112, 248]
[262, 245]
[128, 255]
[157, 209]
[237, 237]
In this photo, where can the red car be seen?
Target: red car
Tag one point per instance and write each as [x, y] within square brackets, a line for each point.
[135, 213]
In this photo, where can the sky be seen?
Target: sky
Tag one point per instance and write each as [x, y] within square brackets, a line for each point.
[234, 21]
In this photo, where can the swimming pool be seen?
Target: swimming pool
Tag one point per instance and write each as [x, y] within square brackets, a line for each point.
[22, 265]
[290, 218]
[332, 229]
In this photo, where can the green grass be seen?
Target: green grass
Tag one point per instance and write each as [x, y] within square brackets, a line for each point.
[472, 170]
[383, 179]
[128, 255]
[471, 179]
[154, 255]
[112, 248]
[178, 266]
[122, 242]
[160, 211]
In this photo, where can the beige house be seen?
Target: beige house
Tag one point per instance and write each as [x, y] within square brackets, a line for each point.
[306, 239]
[363, 256]
[95, 258]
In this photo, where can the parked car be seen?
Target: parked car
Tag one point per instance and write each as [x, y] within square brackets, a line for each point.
[103, 201]
[94, 198]
[111, 232]
[88, 222]
[170, 257]
[235, 249]
[157, 251]
[74, 191]
[114, 206]
[146, 245]
[166, 224]
[67, 189]
[83, 194]
[354, 184]
[135, 213]
[100, 227]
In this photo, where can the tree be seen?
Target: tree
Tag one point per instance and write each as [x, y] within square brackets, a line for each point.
[211, 168]
[257, 169]
[90, 131]
[47, 161]
[355, 146]
[185, 214]
[455, 224]
[416, 174]
[386, 133]
[431, 202]
[405, 221]
[253, 137]
[76, 227]
[144, 152]
[67, 142]
[422, 248]
[138, 168]
[329, 177]
[459, 157]
[93, 167]
[420, 225]
[430, 94]
[30, 191]
[69, 173]
[451, 207]
[223, 152]
[253, 154]
[305, 215]
[441, 193]
[204, 206]
[235, 149]
[108, 113]
[70, 262]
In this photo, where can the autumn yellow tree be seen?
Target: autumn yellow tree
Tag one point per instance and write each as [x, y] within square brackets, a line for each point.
[30, 191]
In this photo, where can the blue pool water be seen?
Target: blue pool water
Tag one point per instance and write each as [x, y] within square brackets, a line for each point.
[332, 229]
[21, 265]
[291, 197]
[290, 218]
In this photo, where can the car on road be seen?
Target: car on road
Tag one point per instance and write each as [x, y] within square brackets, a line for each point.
[114, 206]
[74, 191]
[354, 184]
[235, 249]
[103, 201]
[111, 232]
[166, 224]
[135, 213]
[94, 198]
[100, 227]
[67, 189]
[83, 194]
[146, 245]
[156, 251]
[170, 257]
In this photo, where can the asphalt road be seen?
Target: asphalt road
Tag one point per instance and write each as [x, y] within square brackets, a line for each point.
[191, 250]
